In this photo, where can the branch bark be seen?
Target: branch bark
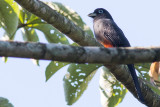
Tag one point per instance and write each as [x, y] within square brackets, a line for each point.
[74, 54]
[79, 36]
[60, 22]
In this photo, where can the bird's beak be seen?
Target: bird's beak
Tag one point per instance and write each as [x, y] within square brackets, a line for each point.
[92, 15]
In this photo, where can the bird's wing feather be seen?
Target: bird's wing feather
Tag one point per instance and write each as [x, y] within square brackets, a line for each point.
[113, 33]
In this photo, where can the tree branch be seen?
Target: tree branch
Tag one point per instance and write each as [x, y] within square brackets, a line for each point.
[74, 54]
[79, 36]
[60, 22]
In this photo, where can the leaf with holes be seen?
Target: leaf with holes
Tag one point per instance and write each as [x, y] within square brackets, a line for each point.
[51, 34]
[9, 12]
[53, 67]
[70, 14]
[28, 18]
[112, 91]
[143, 70]
[76, 80]
[29, 34]
[5, 103]
[31, 21]
[24, 16]
[143, 66]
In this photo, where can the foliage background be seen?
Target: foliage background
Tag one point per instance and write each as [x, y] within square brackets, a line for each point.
[24, 83]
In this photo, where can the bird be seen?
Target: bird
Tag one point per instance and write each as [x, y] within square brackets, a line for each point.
[154, 74]
[110, 35]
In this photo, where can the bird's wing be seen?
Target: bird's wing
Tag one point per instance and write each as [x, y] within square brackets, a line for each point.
[114, 34]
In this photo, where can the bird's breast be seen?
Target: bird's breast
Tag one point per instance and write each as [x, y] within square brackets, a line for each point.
[99, 34]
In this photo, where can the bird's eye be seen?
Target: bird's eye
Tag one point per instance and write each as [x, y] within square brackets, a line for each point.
[100, 11]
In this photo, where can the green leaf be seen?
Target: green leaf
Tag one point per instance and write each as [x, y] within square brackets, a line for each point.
[9, 12]
[36, 62]
[76, 80]
[112, 91]
[70, 14]
[143, 66]
[5, 59]
[28, 18]
[74, 44]
[31, 21]
[53, 67]
[7, 36]
[5, 103]
[154, 88]
[51, 34]
[143, 70]
[29, 34]
[24, 16]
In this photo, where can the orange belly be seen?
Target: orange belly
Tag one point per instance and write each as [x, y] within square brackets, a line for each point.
[106, 44]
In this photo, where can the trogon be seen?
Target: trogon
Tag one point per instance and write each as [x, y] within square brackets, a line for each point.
[110, 35]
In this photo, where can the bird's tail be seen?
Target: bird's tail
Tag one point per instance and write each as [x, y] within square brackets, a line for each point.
[136, 83]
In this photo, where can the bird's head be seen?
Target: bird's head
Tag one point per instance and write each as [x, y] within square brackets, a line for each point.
[100, 13]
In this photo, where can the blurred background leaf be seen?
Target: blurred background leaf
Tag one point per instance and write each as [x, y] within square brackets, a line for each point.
[143, 70]
[53, 67]
[71, 15]
[29, 34]
[9, 12]
[5, 103]
[76, 80]
[112, 91]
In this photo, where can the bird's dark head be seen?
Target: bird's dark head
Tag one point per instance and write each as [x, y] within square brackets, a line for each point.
[99, 13]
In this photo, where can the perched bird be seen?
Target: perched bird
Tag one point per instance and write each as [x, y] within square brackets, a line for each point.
[154, 74]
[110, 35]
